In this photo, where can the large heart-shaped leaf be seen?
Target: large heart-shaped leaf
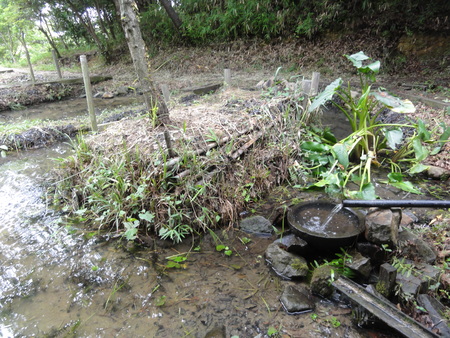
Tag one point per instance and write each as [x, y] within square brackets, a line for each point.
[393, 137]
[420, 151]
[314, 147]
[357, 59]
[394, 103]
[340, 151]
[367, 192]
[326, 95]
[418, 168]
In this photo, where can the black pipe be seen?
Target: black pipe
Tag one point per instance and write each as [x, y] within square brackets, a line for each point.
[396, 203]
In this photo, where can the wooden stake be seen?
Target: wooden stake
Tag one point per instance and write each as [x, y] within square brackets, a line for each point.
[227, 76]
[315, 84]
[88, 90]
[169, 144]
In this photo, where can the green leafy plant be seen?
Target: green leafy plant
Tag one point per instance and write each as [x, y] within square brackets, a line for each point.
[177, 262]
[245, 240]
[226, 250]
[369, 135]
[339, 264]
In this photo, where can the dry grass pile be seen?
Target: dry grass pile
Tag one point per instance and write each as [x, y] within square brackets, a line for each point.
[228, 155]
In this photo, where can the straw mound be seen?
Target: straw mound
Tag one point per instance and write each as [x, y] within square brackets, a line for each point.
[218, 116]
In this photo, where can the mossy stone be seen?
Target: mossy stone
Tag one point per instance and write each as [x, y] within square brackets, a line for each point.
[321, 281]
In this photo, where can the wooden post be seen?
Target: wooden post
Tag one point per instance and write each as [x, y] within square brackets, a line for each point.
[227, 76]
[169, 144]
[55, 60]
[166, 93]
[88, 89]
[387, 280]
[315, 83]
[306, 86]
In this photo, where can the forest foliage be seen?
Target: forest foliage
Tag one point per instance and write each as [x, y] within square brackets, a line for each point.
[62, 24]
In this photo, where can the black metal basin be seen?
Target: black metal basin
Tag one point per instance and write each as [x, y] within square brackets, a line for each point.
[310, 222]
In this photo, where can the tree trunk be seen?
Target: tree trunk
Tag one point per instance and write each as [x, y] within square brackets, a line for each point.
[27, 54]
[89, 27]
[47, 35]
[136, 46]
[101, 20]
[171, 13]
[50, 41]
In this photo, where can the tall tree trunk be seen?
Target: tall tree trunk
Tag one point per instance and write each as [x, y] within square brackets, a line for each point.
[27, 54]
[50, 41]
[100, 20]
[136, 46]
[89, 27]
[171, 13]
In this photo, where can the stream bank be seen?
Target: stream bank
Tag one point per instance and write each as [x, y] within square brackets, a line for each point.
[182, 304]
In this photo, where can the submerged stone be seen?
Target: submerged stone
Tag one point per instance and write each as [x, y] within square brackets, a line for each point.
[256, 225]
[285, 263]
[295, 299]
[217, 332]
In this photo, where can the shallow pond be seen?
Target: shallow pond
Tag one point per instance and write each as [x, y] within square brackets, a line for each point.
[55, 282]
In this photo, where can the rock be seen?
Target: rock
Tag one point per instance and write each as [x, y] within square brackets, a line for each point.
[256, 225]
[436, 312]
[414, 248]
[265, 84]
[107, 95]
[382, 226]
[122, 90]
[409, 284]
[320, 281]
[295, 300]
[408, 218]
[429, 274]
[217, 332]
[360, 264]
[438, 173]
[207, 89]
[285, 263]
[293, 244]
[376, 254]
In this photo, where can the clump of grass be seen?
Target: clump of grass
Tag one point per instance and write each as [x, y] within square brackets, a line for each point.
[136, 195]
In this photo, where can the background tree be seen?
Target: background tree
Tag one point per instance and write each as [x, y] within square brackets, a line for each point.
[136, 46]
[20, 24]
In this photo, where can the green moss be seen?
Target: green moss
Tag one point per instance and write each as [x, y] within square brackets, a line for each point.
[382, 289]
[321, 280]
[299, 265]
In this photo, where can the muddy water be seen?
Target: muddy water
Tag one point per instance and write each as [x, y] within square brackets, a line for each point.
[67, 109]
[55, 282]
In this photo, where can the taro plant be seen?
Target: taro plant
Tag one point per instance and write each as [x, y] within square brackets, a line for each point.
[369, 136]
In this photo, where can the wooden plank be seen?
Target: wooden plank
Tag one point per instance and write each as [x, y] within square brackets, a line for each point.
[383, 310]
